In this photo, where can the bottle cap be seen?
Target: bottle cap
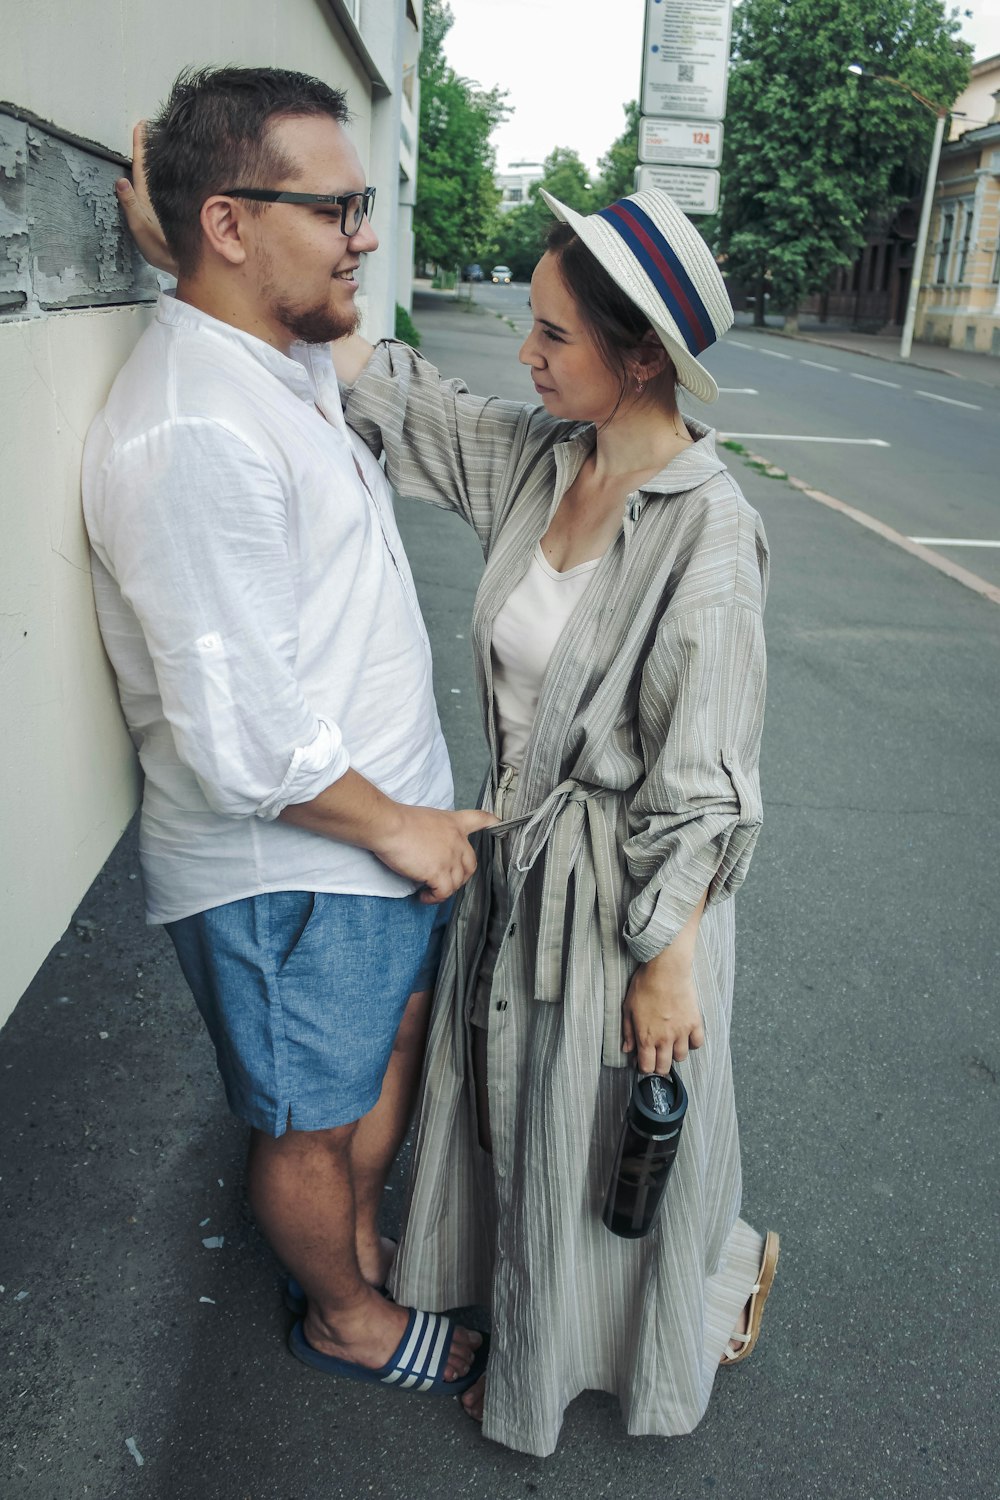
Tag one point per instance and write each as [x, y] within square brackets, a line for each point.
[658, 1103]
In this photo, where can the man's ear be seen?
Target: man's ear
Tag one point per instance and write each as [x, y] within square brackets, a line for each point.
[221, 223]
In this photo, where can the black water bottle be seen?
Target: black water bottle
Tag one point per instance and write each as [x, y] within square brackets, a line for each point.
[646, 1150]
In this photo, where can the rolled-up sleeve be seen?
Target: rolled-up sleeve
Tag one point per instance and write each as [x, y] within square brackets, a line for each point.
[197, 538]
[696, 816]
[441, 444]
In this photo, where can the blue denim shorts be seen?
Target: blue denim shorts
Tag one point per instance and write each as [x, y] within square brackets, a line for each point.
[302, 993]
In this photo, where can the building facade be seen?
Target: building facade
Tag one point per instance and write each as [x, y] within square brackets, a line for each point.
[515, 182]
[870, 294]
[73, 300]
[960, 287]
[957, 303]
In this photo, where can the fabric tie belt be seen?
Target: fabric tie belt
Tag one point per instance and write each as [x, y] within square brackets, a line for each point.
[558, 826]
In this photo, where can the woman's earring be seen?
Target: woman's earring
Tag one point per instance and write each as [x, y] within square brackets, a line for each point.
[640, 385]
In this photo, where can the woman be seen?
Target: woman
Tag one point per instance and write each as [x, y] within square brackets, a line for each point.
[620, 665]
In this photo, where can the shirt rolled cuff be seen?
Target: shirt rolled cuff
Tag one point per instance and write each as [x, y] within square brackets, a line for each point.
[312, 769]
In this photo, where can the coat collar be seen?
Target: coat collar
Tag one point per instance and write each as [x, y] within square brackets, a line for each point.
[687, 471]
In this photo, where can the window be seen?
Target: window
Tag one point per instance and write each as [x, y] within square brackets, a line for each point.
[944, 247]
[995, 278]
[514, 195]
[963, 244]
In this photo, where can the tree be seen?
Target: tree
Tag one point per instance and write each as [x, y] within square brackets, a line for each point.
[455, 213]
[812, 153]
[617, 166]
[521, 231]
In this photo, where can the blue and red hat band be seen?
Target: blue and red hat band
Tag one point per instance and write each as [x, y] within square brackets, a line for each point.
[664, 270]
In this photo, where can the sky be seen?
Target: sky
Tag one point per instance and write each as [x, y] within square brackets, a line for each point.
[570, 65]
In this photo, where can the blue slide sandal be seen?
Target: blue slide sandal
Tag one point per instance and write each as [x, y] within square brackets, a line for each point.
[418, 1363]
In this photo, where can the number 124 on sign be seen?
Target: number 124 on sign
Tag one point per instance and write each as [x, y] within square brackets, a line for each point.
[682, 143]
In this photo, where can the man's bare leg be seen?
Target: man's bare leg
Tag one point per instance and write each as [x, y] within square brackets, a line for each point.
[302, 1195]
[380, 1134]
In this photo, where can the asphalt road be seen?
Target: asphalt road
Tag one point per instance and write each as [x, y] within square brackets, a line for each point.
[866, 1056]
[917, 450]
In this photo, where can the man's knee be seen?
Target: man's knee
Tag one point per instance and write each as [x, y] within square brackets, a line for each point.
[334, 1141]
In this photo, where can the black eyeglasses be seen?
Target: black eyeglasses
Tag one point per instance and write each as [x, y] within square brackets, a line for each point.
[354, 207]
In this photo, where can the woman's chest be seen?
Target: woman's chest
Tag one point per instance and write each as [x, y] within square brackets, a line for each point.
[585, 522]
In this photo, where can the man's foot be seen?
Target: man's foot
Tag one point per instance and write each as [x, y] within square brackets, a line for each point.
[369, 1335]
[473, 1399]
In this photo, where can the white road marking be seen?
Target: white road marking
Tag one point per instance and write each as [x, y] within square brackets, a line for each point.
[737, 390]
[916, 549]
[951, 541]
[817, 366]
[932, 396]
[775, 353]
[874, 380]
[798, 437]
[737, 344]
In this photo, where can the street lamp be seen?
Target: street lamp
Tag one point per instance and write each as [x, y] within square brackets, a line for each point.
[941, 111]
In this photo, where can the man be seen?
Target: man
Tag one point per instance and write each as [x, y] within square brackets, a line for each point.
[275, 673]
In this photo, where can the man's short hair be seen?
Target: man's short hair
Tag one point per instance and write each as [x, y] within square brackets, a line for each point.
[214, 132]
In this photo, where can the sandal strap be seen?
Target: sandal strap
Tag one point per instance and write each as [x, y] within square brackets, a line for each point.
[424, 1354]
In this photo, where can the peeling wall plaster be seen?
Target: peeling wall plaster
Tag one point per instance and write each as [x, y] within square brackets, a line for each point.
[62, 239]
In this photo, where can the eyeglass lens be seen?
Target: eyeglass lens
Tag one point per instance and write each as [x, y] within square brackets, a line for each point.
[355, 209]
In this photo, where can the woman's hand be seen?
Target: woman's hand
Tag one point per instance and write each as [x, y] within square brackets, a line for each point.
[661, 1020]
[143, 225]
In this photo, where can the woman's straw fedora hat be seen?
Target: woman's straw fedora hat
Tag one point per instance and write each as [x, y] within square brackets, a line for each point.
[659, 260]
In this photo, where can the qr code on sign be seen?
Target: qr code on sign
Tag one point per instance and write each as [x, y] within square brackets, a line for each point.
[685, 72]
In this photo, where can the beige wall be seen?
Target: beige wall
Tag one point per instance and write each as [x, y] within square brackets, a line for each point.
[67, 775]
[976, 105]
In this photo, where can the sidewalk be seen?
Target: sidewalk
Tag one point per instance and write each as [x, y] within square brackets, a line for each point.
[963, 364]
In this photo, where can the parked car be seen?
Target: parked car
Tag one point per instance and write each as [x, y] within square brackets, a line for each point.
[473, 273]
[502, 275]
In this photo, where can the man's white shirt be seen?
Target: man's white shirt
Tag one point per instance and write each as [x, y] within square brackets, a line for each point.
[259, 612]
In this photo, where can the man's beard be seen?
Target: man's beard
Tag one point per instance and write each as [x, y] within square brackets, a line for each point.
[315, 325]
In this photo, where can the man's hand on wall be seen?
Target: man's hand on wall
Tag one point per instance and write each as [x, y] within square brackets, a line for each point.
[143, 225]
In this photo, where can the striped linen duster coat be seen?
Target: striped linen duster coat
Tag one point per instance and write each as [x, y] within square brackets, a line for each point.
[638, 791]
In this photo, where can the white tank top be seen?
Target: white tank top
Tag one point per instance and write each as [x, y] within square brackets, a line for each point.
[525, 633]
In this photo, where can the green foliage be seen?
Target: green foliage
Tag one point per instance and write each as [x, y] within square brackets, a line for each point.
[813, 153]
[456, 202]
[521, 239]
[406, 329]
[567, 179]
[617, 166]
[521, 231]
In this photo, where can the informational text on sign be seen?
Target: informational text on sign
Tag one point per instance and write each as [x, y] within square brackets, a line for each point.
[685, 67]
[682, 143]
[694, 190]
